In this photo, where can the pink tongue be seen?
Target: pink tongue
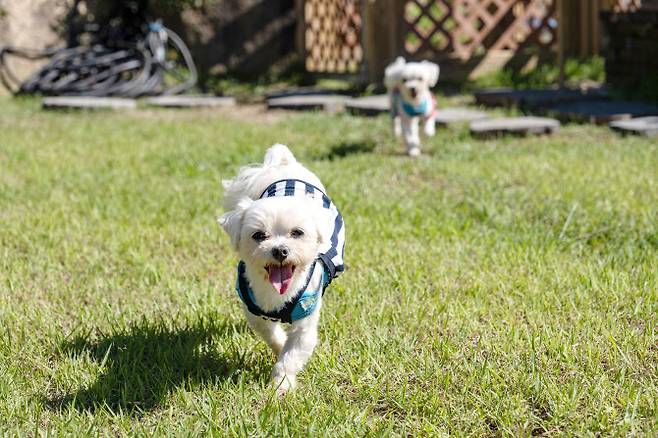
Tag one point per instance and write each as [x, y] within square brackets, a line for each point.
[280, 277]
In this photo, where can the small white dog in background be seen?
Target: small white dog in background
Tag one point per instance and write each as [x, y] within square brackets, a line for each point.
[290, 238]
[408, 85]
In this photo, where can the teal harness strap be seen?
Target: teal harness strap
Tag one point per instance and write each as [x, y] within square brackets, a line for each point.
[301, 306]
[309, 300]
[421, 110]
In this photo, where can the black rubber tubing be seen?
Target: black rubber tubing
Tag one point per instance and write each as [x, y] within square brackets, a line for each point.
[125, 70]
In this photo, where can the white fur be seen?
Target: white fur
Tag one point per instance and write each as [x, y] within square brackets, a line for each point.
[277, 216]
[413, 81]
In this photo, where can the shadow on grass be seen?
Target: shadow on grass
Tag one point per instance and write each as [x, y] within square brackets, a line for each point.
[143, 364]
[344, 149]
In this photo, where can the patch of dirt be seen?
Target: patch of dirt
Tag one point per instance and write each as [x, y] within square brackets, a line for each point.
[243, 112]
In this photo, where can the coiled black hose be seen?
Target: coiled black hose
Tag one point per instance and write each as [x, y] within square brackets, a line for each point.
[132, 69]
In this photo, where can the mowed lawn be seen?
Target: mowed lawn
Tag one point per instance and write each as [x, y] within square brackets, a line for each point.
[494, 287]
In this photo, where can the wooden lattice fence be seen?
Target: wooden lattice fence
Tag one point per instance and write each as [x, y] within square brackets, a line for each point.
[622, 5]
[467, 28]
[465, 36]
[332, 37]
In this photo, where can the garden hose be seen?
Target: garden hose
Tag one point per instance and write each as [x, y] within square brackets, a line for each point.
[139, 68]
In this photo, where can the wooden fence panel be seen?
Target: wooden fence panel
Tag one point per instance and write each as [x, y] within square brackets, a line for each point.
[467, 28]
[468, 37]
[621, 5]
[332, 36]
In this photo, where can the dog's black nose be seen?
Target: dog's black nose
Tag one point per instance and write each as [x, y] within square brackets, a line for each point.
[412, 90]
[280, 253]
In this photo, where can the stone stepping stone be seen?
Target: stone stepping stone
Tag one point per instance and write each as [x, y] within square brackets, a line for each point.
[369, 105]
[310, 102]
[87, 102]
[534, 98]
[374, 105]
[601, 111]
[449, 116]
[301, 91]
[647, 126]
[190, 101]
[514, 125]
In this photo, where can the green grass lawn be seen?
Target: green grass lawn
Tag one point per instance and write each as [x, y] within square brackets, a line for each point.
[494, 287]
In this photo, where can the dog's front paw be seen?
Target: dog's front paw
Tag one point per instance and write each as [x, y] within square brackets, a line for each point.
[413, 151]
[284, 384]
[281, 381]
[430, 129]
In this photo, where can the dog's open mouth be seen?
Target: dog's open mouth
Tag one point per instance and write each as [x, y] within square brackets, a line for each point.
[280, 276]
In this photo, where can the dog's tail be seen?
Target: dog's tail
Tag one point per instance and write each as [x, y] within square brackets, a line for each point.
[235, 188]
[279, 155]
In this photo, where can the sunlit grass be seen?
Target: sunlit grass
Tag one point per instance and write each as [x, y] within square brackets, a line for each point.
[506, 286]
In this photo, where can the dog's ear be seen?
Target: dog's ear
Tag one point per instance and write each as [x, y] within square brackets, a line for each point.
[393, 73]
[323, 225]
[232, 221]
[431, 72]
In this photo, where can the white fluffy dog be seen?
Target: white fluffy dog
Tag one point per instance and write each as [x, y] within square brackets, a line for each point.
[408, 85]
[290, 239]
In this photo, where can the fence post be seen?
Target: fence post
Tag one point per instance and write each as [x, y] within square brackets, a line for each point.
[382, 34]
[300, 31]
[580, 31]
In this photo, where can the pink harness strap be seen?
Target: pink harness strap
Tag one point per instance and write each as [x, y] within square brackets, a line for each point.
[434, 108]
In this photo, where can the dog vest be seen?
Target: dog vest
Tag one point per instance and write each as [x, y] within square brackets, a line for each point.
[330, 256]
[427, 108]
[301, 306]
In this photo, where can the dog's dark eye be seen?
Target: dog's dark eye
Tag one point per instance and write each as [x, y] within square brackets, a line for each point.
[259, 236]
[297, 233]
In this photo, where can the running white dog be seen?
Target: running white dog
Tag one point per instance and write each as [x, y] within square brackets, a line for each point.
[408, 85]
[290, 238]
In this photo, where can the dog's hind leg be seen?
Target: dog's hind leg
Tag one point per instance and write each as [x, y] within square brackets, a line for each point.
[430, 127]
[397, 126]
[302, 339]
[271, 332]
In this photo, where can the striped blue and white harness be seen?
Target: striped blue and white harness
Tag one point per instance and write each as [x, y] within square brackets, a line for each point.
[330, 257]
